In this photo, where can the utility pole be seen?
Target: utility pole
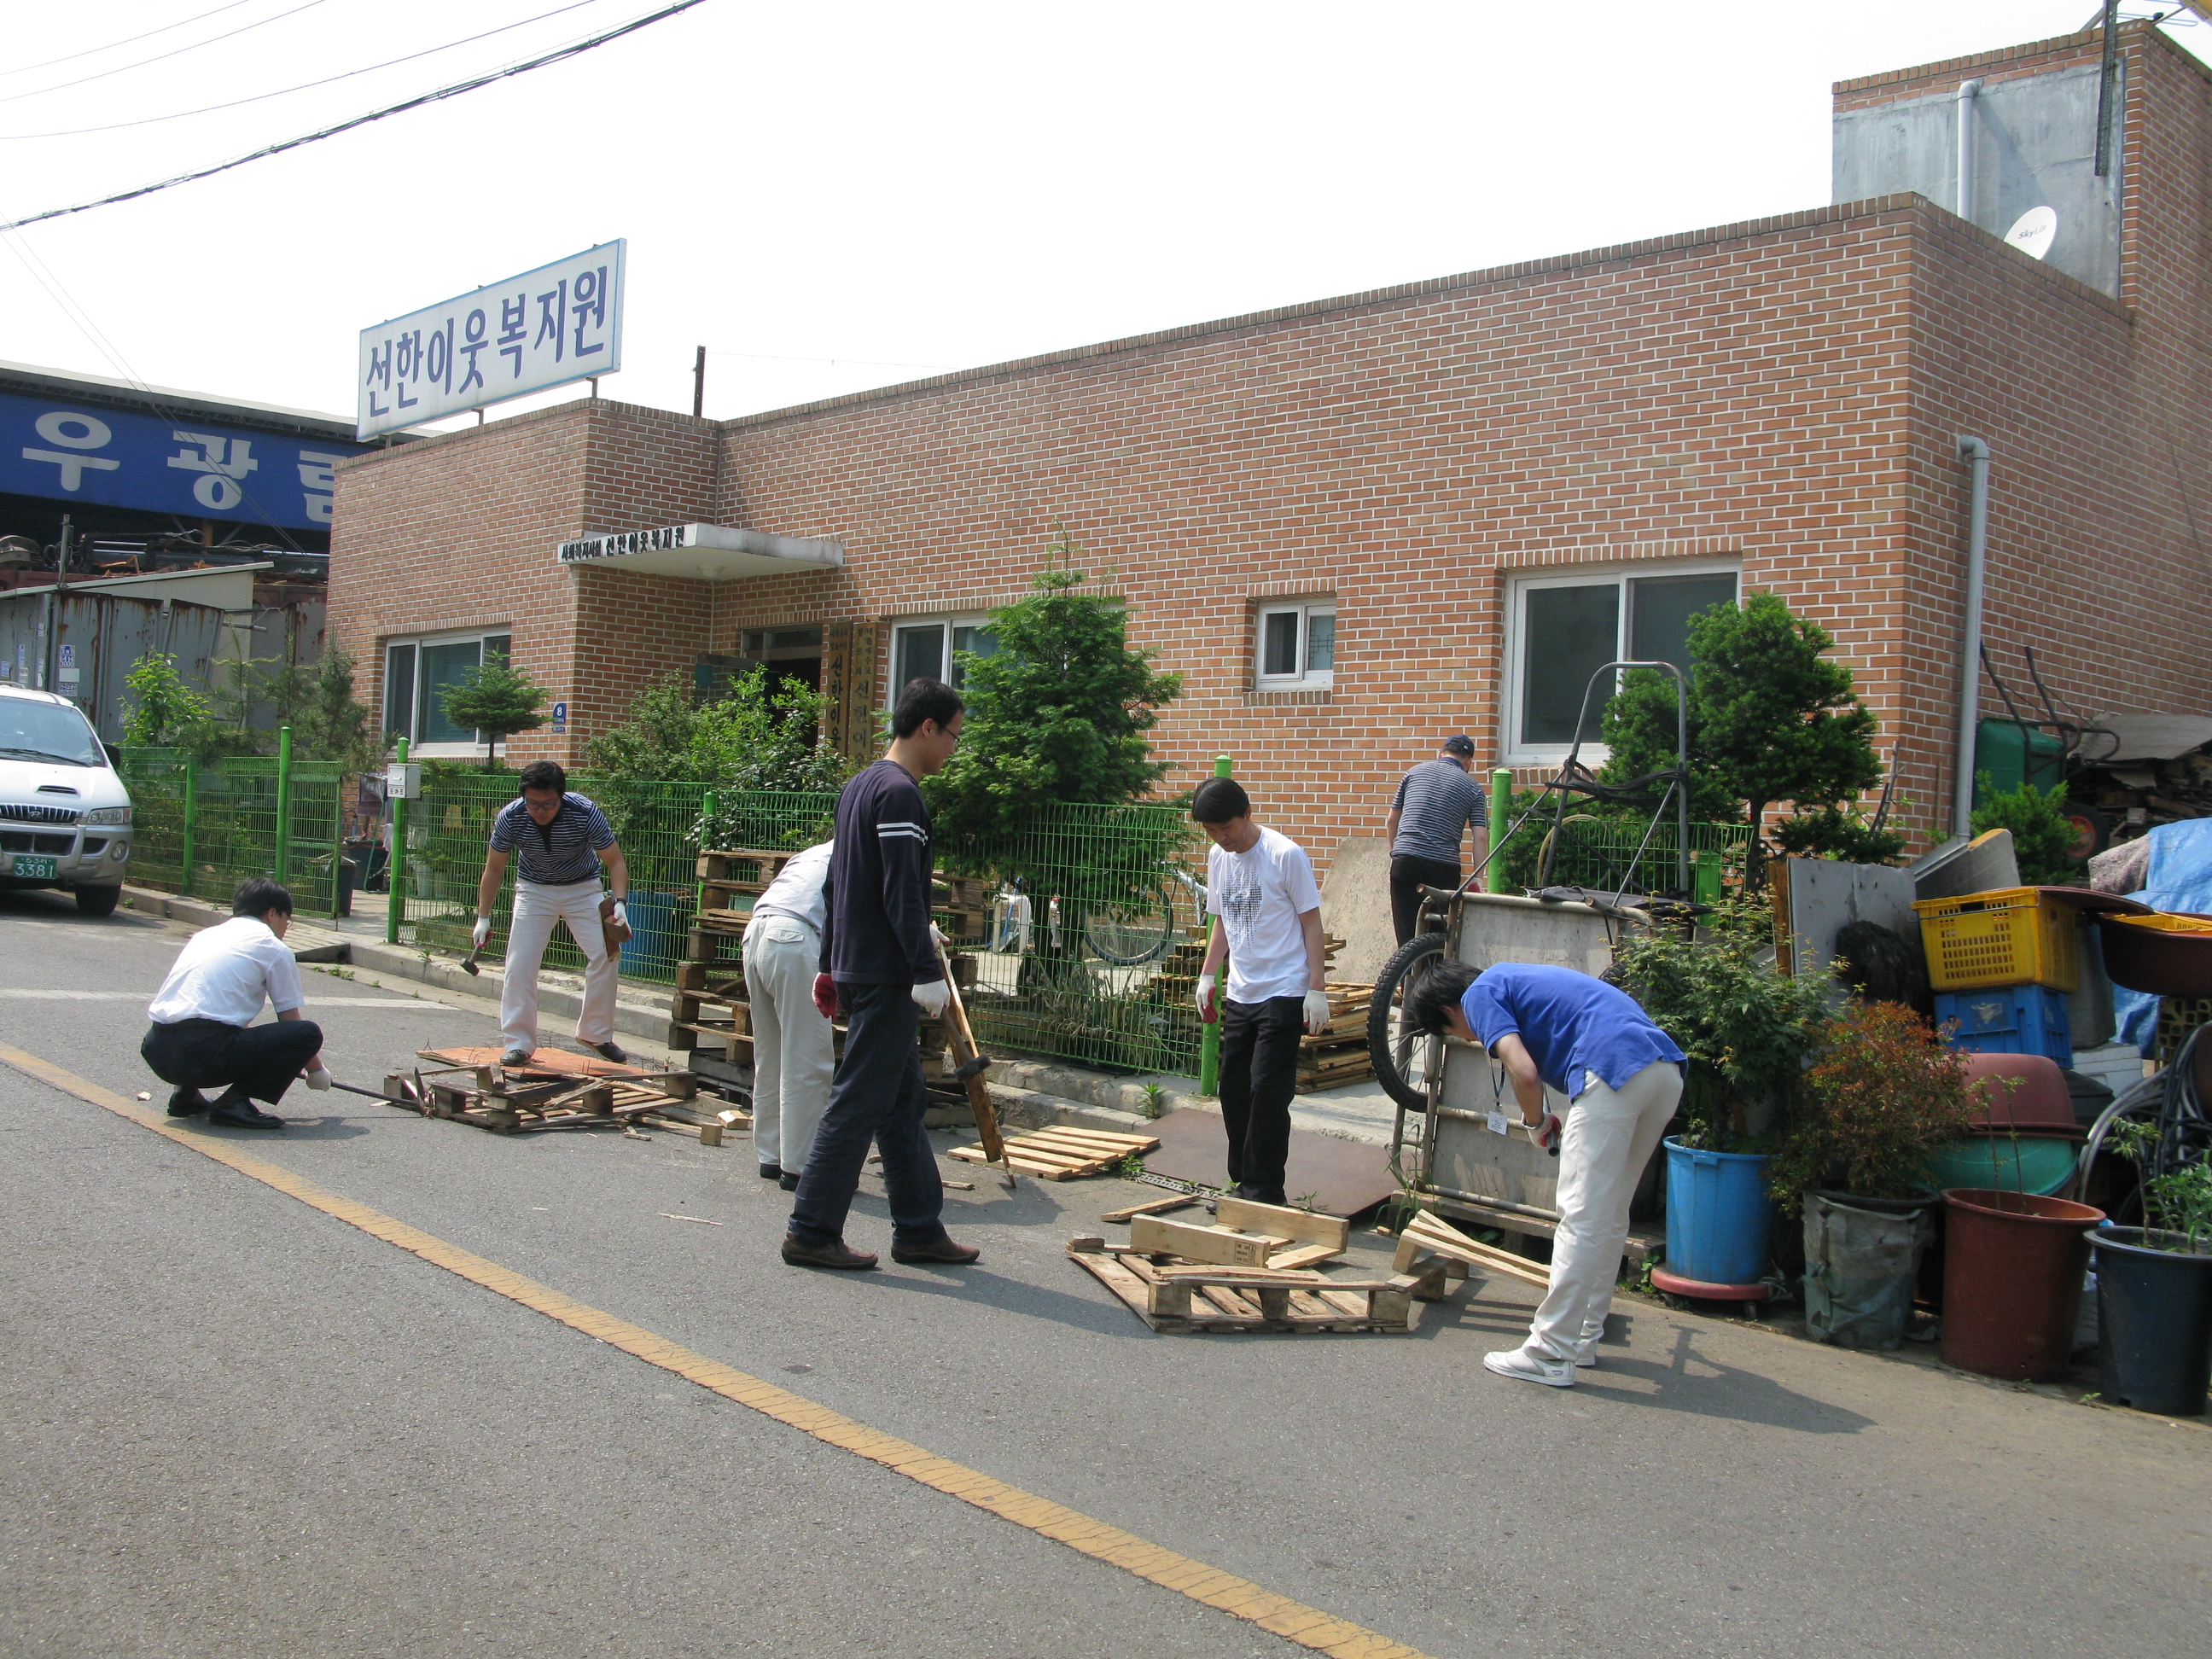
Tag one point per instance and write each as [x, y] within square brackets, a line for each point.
[699, 386]
[50, 658]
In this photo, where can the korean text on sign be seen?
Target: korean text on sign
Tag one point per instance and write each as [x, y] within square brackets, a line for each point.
[560, 323]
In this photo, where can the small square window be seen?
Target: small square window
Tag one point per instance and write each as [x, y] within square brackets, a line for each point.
[417, 670]
[1296, 649]
[931, 648]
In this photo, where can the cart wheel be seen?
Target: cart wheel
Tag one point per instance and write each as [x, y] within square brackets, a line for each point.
[2093, 831]
[1402, 1057]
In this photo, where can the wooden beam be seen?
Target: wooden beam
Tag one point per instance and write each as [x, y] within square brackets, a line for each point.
[1248, 1217]
[1221, 1245]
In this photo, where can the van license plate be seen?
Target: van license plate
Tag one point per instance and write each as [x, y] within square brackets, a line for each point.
[33, 869]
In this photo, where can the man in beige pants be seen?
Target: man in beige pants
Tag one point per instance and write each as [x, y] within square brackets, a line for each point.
[1623, 1075]
[792, 1059]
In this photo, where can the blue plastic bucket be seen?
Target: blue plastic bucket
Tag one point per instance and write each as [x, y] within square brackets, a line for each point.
[652, 945]
[1719, 1216]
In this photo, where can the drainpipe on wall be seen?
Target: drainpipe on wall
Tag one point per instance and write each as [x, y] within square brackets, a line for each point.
[1970, 665]
[1964, 108]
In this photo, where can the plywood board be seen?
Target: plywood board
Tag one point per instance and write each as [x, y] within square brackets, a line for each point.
[1343, 1177]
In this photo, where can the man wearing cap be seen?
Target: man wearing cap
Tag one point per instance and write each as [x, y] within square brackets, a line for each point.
[1429, 817]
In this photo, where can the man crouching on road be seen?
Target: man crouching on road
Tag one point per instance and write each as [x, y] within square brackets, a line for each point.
[1622, 1075]
[879, 960]
[204, 1035]
[558, 840]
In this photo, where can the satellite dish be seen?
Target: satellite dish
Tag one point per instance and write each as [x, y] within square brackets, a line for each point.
[2032, 231]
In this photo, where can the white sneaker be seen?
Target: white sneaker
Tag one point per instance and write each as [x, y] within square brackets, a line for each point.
[1586, 1357]
[1531, 1368]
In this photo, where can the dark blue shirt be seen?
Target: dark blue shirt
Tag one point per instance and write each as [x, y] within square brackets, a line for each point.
[876, 930]
[553, 854]
[1570, 1023]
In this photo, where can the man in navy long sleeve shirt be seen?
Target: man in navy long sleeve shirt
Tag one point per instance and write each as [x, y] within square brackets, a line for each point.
[879, 962]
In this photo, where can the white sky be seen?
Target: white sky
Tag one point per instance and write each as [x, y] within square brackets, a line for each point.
[842, 195]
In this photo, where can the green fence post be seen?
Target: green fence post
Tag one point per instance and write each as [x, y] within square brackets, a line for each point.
[1706, 879]
[1501, 818]
[337, 844]
[191, 822]
[710, 804]
[283, 860]
[395, 866]
[1209, 1037]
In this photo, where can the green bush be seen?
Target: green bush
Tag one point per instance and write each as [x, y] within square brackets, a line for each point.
[2042, 837]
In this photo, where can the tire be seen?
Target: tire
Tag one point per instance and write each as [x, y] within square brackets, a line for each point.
[2093, 831]
[97, 901]
[1402, 1058]
[1135, 932]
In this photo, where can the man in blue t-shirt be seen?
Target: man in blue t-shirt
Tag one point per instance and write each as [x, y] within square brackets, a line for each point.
[1623, 1076]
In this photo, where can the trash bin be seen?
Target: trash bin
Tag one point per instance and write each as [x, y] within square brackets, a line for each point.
[1861, 1257]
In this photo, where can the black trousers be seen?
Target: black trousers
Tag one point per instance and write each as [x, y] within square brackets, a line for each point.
[1407, 877]
[259, 1061]
[876, 1097]
[1259, 1075]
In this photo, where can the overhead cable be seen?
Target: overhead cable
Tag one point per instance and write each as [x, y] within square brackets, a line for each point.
[454, 91]
[128, 40]
[263, 97]
[158, 57]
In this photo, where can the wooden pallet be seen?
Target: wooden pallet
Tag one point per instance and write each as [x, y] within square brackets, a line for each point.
[1339, 1055]
[1063, 1154]
[1429, 1235]
[1180, 1298]
[555, 1091]
[1245, 1235]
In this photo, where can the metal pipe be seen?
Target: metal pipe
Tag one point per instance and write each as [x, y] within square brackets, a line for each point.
[1970, 652]
[1504, 1207]
[1963, 105]
[1501, 812]
[1209, 1036]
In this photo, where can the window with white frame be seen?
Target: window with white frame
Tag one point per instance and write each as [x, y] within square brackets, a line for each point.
[417, 670]
[1561, 629]
[1294, 646]
[928, 647]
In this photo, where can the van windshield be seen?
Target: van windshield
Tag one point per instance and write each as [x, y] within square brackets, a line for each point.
[47, 732]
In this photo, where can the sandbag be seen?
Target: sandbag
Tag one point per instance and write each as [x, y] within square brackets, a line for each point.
[1861, 1255]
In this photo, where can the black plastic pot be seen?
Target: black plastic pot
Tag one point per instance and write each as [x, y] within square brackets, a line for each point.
[2155, 1320]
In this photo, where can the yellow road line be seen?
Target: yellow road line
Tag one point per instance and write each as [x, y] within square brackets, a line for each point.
[1308, 1626]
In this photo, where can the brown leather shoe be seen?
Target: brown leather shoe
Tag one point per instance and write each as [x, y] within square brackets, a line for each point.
[799, 1254]
[944, 1253]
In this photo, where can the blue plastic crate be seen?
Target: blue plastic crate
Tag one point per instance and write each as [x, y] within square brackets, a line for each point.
[2008, 1020]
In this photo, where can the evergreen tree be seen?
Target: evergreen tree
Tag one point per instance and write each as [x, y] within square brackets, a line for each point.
[497, 700]
[328, 725]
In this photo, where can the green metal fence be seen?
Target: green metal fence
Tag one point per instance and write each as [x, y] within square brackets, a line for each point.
[1600, 853]
[200, 829]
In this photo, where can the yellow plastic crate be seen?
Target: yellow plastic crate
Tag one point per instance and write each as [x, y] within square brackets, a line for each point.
[2010, 936]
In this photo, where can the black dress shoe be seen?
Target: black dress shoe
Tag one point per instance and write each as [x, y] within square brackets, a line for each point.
[799, 1254]
[771, 1172]
[515, 1057]
[187, 1102]
[242, 1114]
[942, 1252]
[608, 1050]
[788, 1180]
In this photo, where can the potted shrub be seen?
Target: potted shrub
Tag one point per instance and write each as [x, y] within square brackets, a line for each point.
[1749, 1032]
[1885, 1095]
[2155, 1287]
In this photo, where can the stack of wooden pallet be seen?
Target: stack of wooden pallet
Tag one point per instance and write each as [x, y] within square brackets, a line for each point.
[1339, 1055]
[1060, 1153]
[962, 906]
[555, 1091]
[1255, 1269]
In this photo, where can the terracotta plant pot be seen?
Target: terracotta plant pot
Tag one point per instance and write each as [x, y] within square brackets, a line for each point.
[2013, 1267]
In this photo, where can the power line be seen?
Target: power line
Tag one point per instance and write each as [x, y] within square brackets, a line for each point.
[263, 97]
[454, 91]
[159, 57]
[128, 40]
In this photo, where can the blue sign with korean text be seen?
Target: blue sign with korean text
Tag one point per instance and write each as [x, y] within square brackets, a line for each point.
[193, 468]
[547, 327]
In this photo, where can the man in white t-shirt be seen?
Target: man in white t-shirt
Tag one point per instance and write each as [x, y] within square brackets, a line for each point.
[1266, 921]
[204, 1035]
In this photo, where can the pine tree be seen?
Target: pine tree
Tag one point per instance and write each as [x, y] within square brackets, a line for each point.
[497, 700]
[327, 723]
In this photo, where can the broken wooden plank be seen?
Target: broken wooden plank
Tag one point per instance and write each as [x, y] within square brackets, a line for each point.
[1213, 1244]
[1302, 1225]
[1156, 1207]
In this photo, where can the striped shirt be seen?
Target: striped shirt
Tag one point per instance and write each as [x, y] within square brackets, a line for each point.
[1435, 803]
[555, 855]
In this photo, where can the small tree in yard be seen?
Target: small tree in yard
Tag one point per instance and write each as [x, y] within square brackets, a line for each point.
[497, 700]
[2042, 834]
[327, 723]
[165, 711]
[1772, 719]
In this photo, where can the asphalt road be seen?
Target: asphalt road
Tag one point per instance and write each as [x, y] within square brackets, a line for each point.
[230, 1425]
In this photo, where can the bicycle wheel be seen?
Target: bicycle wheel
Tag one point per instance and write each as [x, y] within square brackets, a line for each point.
[1133, 932]
[1403, 1058]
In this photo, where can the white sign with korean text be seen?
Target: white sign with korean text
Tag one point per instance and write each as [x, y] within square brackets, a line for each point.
[547, 327]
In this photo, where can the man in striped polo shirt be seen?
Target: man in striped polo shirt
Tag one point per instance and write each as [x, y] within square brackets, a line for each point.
[558, 840]
[1429, 817]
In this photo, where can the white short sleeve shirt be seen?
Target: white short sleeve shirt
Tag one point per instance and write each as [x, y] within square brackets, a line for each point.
[225, 973]
[1260, 894]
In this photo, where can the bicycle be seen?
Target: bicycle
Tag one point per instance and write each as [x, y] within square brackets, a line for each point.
[1136, 931]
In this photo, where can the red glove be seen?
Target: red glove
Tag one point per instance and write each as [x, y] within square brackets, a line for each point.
[825, 996]
[1547, 1134]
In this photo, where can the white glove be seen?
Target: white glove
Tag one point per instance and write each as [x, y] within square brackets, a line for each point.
[319, 1078]
[620, 914]
[932, 996]
[1318, 1012]
[482, 933]
[936, 936]
[1206, 1007]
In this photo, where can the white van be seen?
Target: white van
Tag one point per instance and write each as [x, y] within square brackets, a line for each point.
[64, 814]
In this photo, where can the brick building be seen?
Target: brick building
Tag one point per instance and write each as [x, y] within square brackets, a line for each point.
[1356, 524]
